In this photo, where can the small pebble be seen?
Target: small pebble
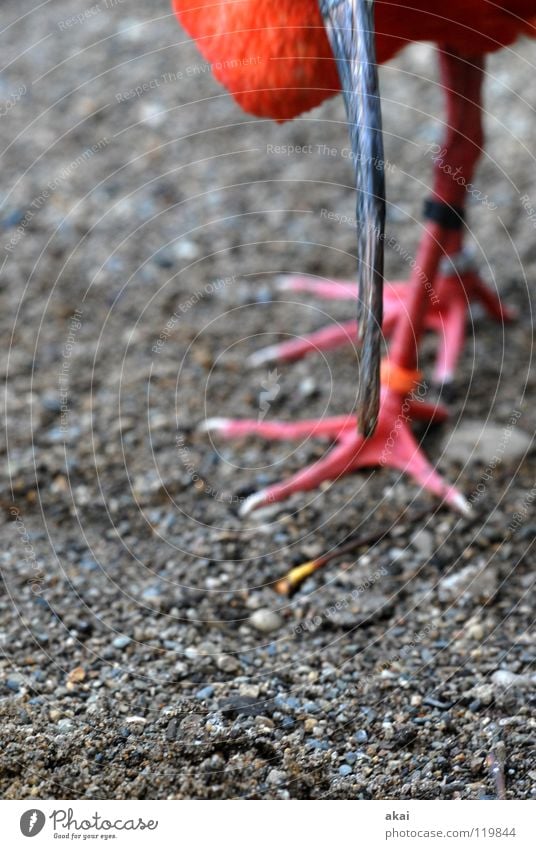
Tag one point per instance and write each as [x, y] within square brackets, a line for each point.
[185, 249]
[505, 678]
[205, 693]
[276, 776]
[227, 663]
[430, 701]
[475, 632]
[265, 620]
[477, 441]
[476, 582]
[76, 675]
[423, 542]
[121, 642]
[308, 388]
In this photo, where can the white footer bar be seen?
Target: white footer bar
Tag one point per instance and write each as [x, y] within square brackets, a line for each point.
[270, 824]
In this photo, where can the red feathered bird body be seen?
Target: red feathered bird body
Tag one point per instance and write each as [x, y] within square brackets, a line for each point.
[275, 59]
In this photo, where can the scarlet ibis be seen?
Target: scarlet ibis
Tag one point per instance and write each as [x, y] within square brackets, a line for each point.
[306, 51]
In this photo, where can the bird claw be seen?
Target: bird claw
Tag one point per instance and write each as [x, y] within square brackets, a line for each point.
[456, 284]
[270, 354]
[460, 504]
[337, 290]
[253, 502]
[217, 424]
[325, 339]
[392, 445]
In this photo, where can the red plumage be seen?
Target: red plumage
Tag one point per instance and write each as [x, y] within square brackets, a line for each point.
[275, 59]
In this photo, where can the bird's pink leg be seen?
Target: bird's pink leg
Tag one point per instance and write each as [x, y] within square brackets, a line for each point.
[481, 293]
[331, 427]
[334, 290]
[408, 458]
[455, 282]
[428, 297]
[451, 329]
[424, 411]
[339, 461]
[447, 318]
[325, 339]
[330, 290]
[334, 335]
[393, 445]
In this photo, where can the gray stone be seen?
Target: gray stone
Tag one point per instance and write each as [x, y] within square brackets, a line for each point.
[205, 693]
[504, 678]
[121, 642]
[276, 776]
[265, 620]
[345, 770]
[476, 582]
[477, 441]
[227, 663]
[423, 543]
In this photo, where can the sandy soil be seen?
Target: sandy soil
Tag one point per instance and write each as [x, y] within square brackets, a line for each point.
[145, 653]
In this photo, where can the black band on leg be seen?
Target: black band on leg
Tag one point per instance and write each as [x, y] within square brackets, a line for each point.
[449, 217]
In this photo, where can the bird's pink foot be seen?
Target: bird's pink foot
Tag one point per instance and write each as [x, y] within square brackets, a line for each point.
[459, 285]
[392, 445]
[456, 286]
[334, 335]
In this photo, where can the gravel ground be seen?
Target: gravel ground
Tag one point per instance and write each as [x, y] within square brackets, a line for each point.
[145, 653]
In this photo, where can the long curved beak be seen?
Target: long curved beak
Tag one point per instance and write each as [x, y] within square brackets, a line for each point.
[350, 28]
